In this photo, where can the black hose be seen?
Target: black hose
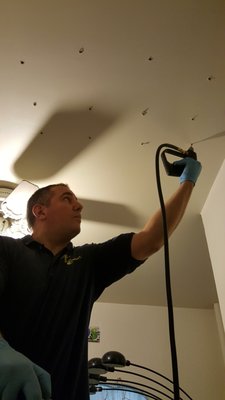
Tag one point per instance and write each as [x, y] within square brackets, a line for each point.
[167, 276]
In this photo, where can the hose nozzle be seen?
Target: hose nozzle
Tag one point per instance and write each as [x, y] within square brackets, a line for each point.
[176, 170]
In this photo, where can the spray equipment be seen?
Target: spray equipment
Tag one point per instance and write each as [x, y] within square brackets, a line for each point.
[171, 168]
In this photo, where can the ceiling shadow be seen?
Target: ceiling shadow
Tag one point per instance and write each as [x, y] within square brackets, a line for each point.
[110, 213]
[61, 139]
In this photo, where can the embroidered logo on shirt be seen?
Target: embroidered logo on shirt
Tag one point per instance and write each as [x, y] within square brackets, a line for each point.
[69, 260]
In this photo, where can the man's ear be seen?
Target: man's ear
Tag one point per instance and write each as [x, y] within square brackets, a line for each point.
[39, 211]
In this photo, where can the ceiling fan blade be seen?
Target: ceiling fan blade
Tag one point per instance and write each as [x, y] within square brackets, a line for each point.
[14, 206]
[109, 213]
[217, 135]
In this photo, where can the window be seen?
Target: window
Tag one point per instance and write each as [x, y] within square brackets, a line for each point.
[113, 392]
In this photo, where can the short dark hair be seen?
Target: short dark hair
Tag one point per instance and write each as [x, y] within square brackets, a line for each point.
[41, 196]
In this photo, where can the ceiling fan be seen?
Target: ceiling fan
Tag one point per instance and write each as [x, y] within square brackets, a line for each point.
[13, 201]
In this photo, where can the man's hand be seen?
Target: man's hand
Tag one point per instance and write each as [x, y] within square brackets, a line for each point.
[20, 375]
[192, 169]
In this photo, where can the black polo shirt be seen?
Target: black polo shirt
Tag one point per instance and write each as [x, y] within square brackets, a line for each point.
[46, 302]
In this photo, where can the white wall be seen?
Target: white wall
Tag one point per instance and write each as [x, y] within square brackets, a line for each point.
[213, 216]
[220, 328]
[141, 334]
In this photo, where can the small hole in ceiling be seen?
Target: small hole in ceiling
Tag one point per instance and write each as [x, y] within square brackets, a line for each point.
[81, 50]
[150, 59]
[34, 103]
[21, 62]
[145, 111]
[210, 77]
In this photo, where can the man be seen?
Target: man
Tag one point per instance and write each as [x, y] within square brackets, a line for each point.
[48, 288]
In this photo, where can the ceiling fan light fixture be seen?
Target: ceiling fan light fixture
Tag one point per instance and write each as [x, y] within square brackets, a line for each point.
[14, 206]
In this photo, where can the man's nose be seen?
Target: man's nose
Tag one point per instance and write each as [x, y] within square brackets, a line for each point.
[77, 206]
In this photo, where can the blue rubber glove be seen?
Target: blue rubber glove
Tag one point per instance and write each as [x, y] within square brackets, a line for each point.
[20, 375]
[191, 171]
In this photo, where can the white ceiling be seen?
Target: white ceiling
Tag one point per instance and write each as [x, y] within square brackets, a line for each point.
[89, 90]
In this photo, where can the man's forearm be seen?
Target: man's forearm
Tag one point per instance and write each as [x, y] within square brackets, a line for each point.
[151, 238]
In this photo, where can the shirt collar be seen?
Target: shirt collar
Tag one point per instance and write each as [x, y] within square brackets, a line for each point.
[28, 240]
